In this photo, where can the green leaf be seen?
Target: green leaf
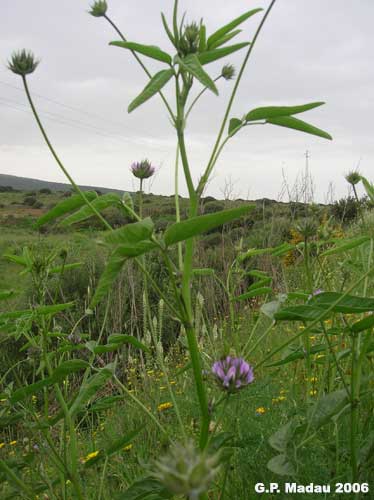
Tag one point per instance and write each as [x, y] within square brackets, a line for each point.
[299, 354]
[104, 404]
[157, 82]
[213, 55]
[363, 324]
[6, 294]
[126, 339]
[143, 488]
[234, 126]
[253, 293]
[281, 465]
[225, 39]
[369, 188]
[300, 313]
[64, 207]
[192, 64]
[280, 439]
[202, 38]
[294, 123]
[326, 407]
[196, 225]
[42, 310]
[267, 112]
[61, 372]
[346, 245]
[167, 29]
[89, 389]
[349, 304]
[147, 50]
[100, 203]
[131, 251]
[220, 33]
[131, 233]
[66, 267]
[108, 277]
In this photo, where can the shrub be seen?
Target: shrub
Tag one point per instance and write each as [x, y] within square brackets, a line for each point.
[30, 201]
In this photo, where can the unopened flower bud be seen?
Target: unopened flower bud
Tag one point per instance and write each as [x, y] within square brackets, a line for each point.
[23, 63]
[98, 8]
[186, 470]
[228, 72]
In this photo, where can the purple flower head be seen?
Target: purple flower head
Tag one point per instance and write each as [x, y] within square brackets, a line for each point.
[232, 374]
[142, 169]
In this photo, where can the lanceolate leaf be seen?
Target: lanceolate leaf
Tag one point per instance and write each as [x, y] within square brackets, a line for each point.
[349, 304]
[369, 188]
[253, 293]
[217, 35]
[110, 274]
[192, 64]
[196, 225]
[42, 310]
[131, 233]
[61, 372]
[225, 39]
[345, 245]
[202, 43]
[147, 50]
[300, 313]
[215, 54]
[64, 207]
[157, 82]
[294, 123]
[167, 29]
[267, 112]
[89, 389]
[363, 324]
[100, 203]
[234, 126]
[134, 250]
[118, 338]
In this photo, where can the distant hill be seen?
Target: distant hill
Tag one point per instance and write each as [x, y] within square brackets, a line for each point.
[26, 184]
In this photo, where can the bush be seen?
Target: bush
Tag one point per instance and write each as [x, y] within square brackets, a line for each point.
[38, 204]
[45, 191]
[214, 206]
[30, 201]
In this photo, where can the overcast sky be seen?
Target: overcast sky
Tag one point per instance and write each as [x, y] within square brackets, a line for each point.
[309, 50]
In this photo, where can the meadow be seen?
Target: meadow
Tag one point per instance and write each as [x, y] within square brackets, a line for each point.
[166, 347]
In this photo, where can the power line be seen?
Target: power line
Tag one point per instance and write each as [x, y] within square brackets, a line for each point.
[71, 122]
[67, 106]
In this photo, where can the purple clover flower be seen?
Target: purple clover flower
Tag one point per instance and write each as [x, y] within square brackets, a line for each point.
[142, 169]
[232, 374]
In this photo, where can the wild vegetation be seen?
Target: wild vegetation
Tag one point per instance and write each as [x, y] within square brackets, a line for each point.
[156, 347]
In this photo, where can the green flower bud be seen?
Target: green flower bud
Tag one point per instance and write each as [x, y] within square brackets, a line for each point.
[228, 72]
[23, 63]
[353, 178]
[307, 228]
[186, 470]
[98, 8]
[189, 42]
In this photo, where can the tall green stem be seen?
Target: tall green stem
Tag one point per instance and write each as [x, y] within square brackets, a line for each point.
[60, 164]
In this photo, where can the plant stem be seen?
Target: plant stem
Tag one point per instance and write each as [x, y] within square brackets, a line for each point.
[60, 164]
[205, 177]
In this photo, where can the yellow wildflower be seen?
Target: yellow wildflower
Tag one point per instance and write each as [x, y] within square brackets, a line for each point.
[164, 406]
[13, 443]
[162, 387]
[2, 445]
[91, 455]
[282, 398]
[313, 392]
[313, 379]
[261, 410]
[128, 447]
